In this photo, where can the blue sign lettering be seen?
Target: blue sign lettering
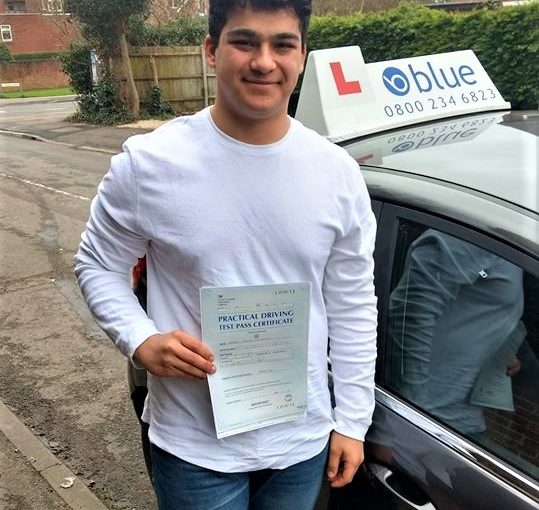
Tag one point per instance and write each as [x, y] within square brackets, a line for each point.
[399, 83]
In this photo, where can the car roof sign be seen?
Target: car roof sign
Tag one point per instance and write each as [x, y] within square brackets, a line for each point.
[342, 97]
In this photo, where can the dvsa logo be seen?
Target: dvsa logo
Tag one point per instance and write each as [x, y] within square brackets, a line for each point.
[426, 78]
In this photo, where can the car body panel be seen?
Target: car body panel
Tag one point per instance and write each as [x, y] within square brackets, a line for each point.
[442, 464]
[446, 478]
[462, 205]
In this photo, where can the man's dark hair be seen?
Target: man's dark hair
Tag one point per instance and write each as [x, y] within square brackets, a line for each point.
[220, 10]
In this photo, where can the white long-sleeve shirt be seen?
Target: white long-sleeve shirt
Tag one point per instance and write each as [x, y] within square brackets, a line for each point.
[455, 306]
[208, 210]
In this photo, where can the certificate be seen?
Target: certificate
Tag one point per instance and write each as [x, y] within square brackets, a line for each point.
[259, 335]
[493, 387]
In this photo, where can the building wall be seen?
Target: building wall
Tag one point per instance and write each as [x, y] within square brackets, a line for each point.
[34, 33]
[37, 29]
[34, 6]
[517, 431]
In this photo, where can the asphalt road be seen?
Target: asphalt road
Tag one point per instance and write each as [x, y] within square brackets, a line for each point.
[58, 373]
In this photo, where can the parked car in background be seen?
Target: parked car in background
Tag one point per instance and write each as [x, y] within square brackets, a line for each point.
[452, 173]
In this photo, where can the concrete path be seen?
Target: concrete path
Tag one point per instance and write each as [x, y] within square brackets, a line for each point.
[32, 477]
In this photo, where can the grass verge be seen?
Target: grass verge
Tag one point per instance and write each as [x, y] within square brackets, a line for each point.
[62, 91]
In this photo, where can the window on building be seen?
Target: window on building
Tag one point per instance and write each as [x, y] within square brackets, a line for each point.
[5, 31]
[53, 5]
[16, 6]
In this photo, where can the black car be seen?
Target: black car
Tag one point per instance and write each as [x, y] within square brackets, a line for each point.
[456, 424]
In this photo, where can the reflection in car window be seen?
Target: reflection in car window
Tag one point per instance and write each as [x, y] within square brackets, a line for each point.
[463, 341]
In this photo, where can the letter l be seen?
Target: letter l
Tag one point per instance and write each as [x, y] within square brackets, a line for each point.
[344, 87]
[433, 74]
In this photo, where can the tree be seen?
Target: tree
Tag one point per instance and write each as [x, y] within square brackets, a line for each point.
[104, 25]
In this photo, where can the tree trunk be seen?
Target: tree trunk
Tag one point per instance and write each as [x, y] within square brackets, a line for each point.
[133, 102]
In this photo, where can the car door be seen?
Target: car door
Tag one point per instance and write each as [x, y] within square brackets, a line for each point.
[458, 312]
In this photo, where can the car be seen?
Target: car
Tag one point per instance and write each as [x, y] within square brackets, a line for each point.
[455, 193]
[477, 194]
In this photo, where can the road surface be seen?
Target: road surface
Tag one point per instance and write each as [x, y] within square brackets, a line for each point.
[58, 373]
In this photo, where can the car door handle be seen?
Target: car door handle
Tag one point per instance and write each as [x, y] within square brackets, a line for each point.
[383, 474]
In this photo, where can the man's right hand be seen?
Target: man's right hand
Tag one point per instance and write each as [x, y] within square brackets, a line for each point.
[175, 354]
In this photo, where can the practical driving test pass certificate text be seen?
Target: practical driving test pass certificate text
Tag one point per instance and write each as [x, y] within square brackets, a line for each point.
[259, 335]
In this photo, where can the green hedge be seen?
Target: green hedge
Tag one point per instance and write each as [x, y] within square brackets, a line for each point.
[44, 55]
[506, 40]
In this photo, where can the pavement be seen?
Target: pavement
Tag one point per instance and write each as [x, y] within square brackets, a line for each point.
[107, 139]
[30, 473]
[31, 476]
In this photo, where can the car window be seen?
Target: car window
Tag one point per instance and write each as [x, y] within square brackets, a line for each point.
[462, 341]
[376, 208]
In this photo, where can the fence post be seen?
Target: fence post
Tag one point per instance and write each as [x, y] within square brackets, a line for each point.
[205, 84]
[154, 70]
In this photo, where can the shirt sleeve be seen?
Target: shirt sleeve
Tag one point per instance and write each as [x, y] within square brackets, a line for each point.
[110, 246]
[352, 316]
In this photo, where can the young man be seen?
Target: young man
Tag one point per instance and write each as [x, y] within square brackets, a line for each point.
[239, 194]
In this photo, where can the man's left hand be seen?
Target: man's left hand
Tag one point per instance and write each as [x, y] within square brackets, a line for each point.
[345, 457]
[513, 367]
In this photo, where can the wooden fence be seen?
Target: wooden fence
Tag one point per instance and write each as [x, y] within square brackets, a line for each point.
[181, 72]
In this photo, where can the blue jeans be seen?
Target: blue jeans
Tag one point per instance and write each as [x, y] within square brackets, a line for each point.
[180, 485]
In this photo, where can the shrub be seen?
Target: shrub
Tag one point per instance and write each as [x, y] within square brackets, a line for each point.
[76, 64]
[98, 106]
[5, 55]
[157, 106]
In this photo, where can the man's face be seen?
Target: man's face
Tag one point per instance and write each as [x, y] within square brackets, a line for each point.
[257, 63]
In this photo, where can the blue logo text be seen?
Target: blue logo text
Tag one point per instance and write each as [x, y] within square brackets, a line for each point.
[427, 78]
